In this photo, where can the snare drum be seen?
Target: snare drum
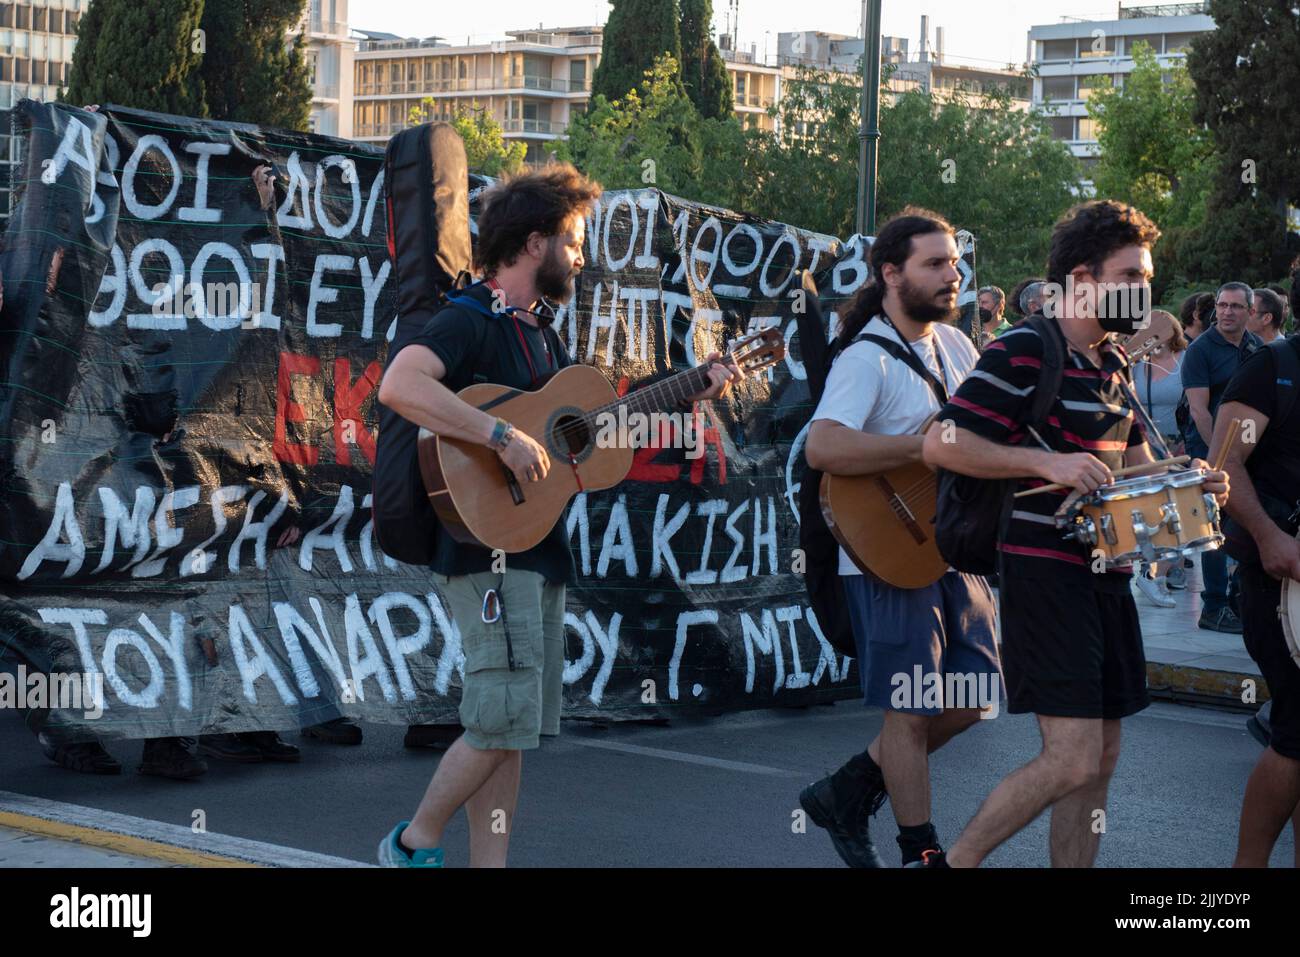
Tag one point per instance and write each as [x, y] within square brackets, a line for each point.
[1150, 518]
[1289, 612]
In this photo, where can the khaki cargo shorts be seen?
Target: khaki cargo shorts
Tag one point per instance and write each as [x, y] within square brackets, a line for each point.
[514, 666]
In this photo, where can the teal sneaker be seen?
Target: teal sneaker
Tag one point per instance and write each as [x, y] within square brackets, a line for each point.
[392, 854]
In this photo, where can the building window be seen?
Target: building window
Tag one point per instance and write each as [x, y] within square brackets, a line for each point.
[1061, 127]
[1179, 42]
[1095, 81]
[1056, 49]
[1153, 40]
[740, 87]
[1095, 46]
[1058, 88]
[577, 74]
[1087, 128]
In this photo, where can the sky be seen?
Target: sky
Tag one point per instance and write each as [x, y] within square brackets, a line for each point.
[991, 30]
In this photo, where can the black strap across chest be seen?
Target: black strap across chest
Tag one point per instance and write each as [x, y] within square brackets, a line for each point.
[908, 355]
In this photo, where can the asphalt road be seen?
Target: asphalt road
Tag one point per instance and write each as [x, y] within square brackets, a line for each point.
[706, 793]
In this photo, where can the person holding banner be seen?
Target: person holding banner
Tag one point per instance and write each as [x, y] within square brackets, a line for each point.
[531, 234]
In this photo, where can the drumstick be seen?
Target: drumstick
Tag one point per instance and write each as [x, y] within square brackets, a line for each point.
[1127, 470]
[1228, 441]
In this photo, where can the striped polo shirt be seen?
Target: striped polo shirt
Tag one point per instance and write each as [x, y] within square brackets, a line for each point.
[1091, 414]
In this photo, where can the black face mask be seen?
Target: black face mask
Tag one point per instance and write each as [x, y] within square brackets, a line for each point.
[986, 316]
[1125, 310]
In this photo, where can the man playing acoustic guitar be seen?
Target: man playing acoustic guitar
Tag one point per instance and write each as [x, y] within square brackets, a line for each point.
[877, 399]
[530, 242]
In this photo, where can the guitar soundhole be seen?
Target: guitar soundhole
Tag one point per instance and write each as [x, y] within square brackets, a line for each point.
[570, 435]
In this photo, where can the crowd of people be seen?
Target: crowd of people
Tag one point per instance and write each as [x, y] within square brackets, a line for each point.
[1070, 649]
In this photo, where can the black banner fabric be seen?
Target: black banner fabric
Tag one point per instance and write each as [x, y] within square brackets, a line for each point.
[188, 402]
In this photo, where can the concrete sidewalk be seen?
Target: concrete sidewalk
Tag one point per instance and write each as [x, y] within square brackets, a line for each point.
[1185, 662]
[23, 849]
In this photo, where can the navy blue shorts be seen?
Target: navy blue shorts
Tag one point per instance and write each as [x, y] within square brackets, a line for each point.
[923, 649]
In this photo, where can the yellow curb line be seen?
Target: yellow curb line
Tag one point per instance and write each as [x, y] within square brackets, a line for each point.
[122, 843]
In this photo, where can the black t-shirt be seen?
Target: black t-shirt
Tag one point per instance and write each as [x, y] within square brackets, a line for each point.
[1274, 466]
[454, 335]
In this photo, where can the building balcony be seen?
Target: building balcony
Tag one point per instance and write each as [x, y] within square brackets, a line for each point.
[540, 84]
[544, 127]
[325, 91]
[327, 28]
[385, 130]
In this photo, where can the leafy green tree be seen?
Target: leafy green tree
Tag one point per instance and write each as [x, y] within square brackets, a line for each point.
[703, 72]
[653, 136]
[637, 33]
[1156, 156]
[250, 73]
[142, 55]
[988, 168]
[1247, 76]
[1151, 146]
[486, 147]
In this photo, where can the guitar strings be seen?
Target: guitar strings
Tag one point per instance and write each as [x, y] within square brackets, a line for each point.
[582, 424]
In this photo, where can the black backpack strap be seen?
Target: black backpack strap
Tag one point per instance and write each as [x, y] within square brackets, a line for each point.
[467, 301]
[906, 355]
[1050, 373]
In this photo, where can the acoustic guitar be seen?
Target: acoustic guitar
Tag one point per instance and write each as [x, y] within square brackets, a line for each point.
[477, 498]
[885, 520]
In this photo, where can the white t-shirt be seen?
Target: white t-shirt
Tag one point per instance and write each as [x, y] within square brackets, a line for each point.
[870, 390]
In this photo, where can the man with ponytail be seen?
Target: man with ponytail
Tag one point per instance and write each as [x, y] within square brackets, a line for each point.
[901, 358]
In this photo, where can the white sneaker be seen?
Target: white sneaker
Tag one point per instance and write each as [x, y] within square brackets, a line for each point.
[1153, 590]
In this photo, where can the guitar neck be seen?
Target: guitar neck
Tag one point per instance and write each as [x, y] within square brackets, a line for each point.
[663, 394]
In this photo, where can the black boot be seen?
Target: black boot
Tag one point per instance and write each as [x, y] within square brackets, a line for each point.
[172, 758]
[843, 803]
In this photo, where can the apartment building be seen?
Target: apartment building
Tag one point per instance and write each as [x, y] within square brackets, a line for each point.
[755, 85]
[1076, 57]
[531, 83]
[330, 53]
[37, 38]
[929, 69]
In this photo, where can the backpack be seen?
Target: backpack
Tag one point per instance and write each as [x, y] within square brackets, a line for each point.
[821, 551]
[1238, 542]
[973, 513]
[426, 195]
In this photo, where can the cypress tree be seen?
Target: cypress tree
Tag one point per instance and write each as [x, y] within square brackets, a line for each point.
[251, 72]
[703, 72]
[638, 31]
[142, 55]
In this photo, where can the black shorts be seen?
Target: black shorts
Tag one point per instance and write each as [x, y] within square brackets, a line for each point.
[1070, 649]
[1262, 631]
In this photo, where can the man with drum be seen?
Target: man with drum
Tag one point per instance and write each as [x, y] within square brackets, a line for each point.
[1264, 465]
[1071, 640]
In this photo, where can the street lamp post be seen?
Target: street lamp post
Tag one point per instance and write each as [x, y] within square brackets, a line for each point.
[869, 131]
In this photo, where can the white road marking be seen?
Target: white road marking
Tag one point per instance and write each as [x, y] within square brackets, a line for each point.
[1204, 716]
[177, 835]
[686, 758]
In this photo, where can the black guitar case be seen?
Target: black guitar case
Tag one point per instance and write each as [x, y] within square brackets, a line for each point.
[426, 195]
